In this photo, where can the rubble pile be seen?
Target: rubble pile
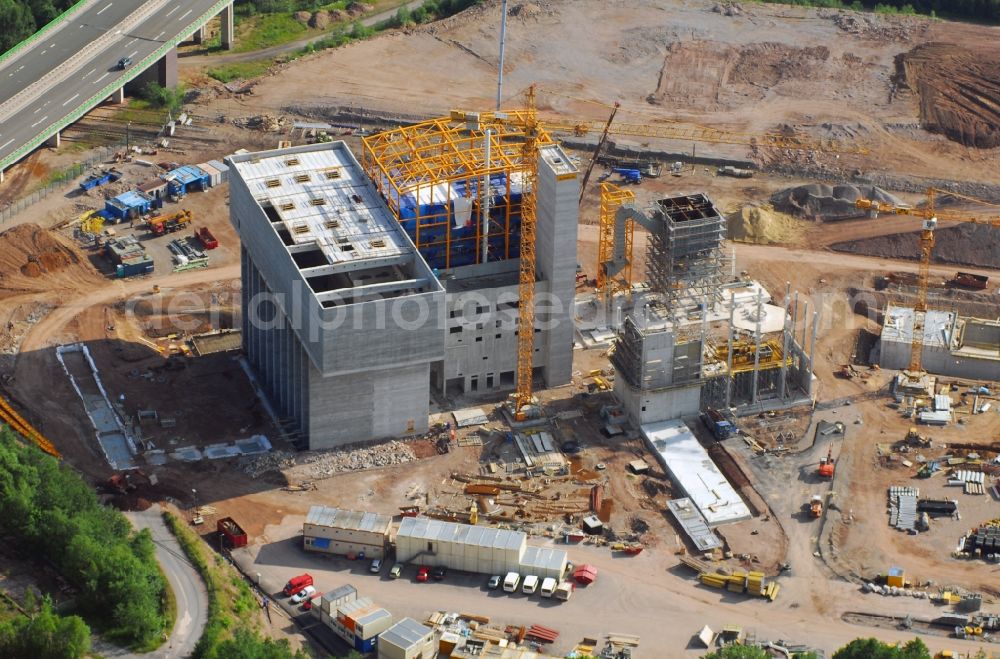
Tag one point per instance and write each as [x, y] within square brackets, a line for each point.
[329, 463]
[256, 465]
[880, 28]
[322, 464]
[264, 122]
[728, 8]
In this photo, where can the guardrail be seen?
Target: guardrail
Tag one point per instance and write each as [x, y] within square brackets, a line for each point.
[18, 47]
[107, 91]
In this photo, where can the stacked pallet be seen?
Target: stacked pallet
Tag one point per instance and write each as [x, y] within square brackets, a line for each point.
[741, 581]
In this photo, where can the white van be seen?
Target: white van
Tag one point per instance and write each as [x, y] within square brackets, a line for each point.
[548, 586]
[510, 582]
[530, 584]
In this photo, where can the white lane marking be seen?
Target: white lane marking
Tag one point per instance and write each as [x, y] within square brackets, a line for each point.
[101, 78]
[38, 110]
[158, 36]
[40, 121]
[89, 72]
[70, 99]
[44, 51]
[172, 10]
[6, 144]
[130, 43]
[132, 54]
[105, 9]
[19, 68]
[52, 45]
[185, 14]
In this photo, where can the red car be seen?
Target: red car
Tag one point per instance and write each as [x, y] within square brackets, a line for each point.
[423, 573]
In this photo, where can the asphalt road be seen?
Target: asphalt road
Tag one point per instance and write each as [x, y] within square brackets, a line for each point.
[94, 70]
[189, 590]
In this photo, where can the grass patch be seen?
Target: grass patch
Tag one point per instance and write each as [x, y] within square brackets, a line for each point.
[240, 70]
[230, 600]
[268, 30]
[140, 111]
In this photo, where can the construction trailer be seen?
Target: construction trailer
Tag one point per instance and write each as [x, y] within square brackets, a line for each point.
[347, 532]
[359, 622]
[372, 293]
[187, 178]
[128, 205]
[128, 256]
[479, 549]
[407, 639]
[953, 345]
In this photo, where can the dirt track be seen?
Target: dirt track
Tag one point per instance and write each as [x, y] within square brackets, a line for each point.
[958, 90]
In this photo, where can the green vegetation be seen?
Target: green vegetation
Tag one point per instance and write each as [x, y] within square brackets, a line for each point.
[270, 30]
[229, 631]
[979, 10]
[49, 511]
[870, 648]
[19, 19]
[45, 634]
[240, 70]
[167, 98]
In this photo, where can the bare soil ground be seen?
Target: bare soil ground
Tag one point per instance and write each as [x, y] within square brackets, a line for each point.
[813, 72]
[968, 244]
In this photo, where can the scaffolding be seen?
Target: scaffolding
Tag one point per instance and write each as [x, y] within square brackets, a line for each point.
[433, 177]
[684, 257]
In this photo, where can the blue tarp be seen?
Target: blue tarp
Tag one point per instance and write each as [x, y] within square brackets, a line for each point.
[128, 204]
[322, 543]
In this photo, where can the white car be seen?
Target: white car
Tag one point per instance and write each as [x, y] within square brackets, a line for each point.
[305, 594]
[376, 566]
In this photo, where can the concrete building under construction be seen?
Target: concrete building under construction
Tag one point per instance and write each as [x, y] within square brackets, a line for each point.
[692, 340]
[363, 287]
[953, 345]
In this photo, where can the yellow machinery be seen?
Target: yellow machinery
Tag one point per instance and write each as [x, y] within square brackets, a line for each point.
[613, 197]
[930, 220]
[91, 222]
[19, 425]
[744, 355]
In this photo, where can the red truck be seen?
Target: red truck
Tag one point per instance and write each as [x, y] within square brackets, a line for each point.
[296, 584]
[206, 238]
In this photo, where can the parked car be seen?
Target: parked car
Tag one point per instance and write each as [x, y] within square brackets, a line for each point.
[306, 593]
[295, 584]
[124, 63]
[511, 581]
[423, 573]
[396, 570]
[548, 586]
[439, 572]
[307, 605]
[376, 566]
[494, 582]
[530, 584]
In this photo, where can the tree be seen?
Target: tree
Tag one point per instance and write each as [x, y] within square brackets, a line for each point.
[16, 23]
[246, 644]
[737, 652]
[46, 635]
[872, 648]
[169, 98]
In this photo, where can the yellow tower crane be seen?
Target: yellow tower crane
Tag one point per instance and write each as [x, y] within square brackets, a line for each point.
[25, 429]
[930, 220]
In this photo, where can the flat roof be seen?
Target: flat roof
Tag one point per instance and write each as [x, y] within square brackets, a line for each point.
[544, 557]
[425, 528]
[689, 464]
[898, 326]
[130, 198]
[349, 520]
[694, 524]
[405, 634]
[320, 196]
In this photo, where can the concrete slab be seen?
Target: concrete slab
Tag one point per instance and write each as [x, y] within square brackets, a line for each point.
[254, 445]
[187, 454]
[217, 451]
[470, 416]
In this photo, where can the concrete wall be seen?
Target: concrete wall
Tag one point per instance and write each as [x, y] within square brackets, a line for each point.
[652, 405]
[346, 409]
[556, 259]
[895, 355]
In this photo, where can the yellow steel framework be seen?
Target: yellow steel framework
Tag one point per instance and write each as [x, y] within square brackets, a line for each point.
[526, 281]
[744, 355]
[19, 425]
[930, 219]
[613, 197]
[426, 160]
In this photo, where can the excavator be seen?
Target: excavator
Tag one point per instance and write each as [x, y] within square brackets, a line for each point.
[826, 467]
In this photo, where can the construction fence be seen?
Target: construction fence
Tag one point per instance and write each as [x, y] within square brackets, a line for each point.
[60, 180]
